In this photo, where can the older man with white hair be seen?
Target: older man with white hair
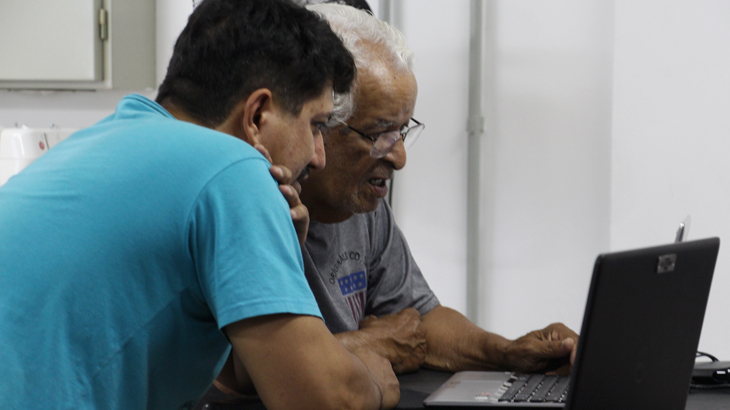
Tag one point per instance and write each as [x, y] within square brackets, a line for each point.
[366, 282]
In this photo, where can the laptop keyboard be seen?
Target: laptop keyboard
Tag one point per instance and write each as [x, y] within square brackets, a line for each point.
[536, 388]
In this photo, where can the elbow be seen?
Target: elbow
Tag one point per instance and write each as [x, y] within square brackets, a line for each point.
[360, 398]
[358, 393]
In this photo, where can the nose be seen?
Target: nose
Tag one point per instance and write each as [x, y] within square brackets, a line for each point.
[318, 161]
[397, 155]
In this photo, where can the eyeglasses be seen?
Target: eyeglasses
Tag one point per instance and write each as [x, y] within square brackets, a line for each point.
[384, 142]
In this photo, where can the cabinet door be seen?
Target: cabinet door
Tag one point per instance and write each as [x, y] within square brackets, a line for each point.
[50, 40]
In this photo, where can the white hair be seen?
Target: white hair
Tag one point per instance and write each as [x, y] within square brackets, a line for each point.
[356, 26]
[358, 29]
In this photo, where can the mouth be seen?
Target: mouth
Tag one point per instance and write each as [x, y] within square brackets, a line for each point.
[379, 186]
[303, 175]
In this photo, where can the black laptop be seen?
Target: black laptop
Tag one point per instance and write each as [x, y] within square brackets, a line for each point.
[638, 341]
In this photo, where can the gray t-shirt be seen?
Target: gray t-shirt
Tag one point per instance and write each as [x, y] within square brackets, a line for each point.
[362, 267]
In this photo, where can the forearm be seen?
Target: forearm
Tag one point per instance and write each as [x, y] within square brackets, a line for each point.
[296, 363]
[358, 339]
[352, 340]
[455, 343]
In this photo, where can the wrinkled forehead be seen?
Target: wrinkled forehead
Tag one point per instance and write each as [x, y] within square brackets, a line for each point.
[384, 93]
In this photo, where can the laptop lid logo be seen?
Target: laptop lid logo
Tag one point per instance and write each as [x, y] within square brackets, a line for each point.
[666, 263]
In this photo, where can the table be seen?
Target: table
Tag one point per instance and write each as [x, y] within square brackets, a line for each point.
[415, 387]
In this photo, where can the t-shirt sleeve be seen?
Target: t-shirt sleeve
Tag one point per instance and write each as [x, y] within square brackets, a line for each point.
[397, 281]
[245, 248]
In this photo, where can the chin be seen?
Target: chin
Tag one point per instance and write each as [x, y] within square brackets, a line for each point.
[363, 207]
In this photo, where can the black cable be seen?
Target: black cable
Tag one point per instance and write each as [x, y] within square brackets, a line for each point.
[709, 356]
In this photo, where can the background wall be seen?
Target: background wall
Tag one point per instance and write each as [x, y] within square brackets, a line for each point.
[671, 134]
[609, 125]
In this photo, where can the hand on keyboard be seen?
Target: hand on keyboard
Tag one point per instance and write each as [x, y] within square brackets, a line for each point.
[551, 349]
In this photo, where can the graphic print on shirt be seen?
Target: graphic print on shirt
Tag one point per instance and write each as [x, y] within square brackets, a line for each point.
[354, 288]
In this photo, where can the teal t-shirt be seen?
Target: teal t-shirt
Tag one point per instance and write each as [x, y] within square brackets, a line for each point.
[123, 252]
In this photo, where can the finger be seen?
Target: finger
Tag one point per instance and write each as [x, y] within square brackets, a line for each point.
[568, 345]
[560, 331]
[297, 186]
[420, 329]
[300, 218]
[572, 355]
[421, 351]
[281, 174]
[553, 349]
[291, 195]
[278, 173]
[260, 148]
[299, 214]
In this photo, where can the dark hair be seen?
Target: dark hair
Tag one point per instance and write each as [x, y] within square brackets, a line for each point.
[231, 48]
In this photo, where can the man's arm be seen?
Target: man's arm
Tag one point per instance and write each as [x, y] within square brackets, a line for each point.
[444, 339]
[455, 343]
[295, 362]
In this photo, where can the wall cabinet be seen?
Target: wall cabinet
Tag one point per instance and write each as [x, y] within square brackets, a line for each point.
[77, 44]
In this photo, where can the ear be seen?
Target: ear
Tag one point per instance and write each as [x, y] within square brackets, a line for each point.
[259, 109]
[249, 117]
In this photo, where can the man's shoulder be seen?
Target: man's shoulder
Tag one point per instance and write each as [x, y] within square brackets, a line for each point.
[141, 117]
[143, 130]
[154, 154]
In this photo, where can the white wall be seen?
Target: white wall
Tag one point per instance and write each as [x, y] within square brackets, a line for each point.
[671, 134]
[551, 213]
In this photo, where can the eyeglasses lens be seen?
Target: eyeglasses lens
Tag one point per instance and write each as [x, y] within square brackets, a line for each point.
[413, 134]
[384, 144]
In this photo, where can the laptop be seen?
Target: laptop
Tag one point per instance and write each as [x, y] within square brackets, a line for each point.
[638, 341]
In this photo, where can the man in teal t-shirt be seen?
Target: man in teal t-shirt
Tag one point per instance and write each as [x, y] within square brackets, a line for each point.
[137, 252]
